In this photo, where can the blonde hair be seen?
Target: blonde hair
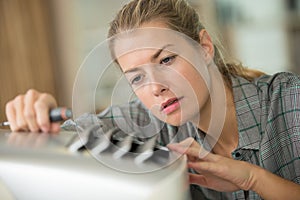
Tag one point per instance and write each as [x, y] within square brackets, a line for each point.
[178, 16]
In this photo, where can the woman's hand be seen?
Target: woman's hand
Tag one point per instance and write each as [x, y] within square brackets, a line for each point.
[215, 172]
[30, 112]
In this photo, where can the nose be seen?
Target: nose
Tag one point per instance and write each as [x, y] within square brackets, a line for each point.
[158, 89]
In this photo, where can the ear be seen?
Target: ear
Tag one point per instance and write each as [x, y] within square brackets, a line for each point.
[207, 45]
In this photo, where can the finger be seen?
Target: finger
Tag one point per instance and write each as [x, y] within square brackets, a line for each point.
[207, 167]
[191, 143]
[195, 151]
[212, 182]
[55, 127]
[183, 144]
[29, 112]
[19, 109]
[42, 116]
[198, 179]
[183, 150]
[11, 115]
[188, 142]
[42, 106]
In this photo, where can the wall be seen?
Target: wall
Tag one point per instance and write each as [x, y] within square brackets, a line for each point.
[259, 33]
[26, 49]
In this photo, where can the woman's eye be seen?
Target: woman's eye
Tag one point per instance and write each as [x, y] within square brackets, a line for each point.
[136, 79]
[167, 60]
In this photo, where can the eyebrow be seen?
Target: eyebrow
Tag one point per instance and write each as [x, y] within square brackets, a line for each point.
[155, 56]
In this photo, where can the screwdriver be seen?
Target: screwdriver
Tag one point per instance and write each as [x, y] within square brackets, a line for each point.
[55, 115]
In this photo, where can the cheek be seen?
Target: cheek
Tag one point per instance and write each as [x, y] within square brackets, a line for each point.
[144, 96]
[197, 87]
[192, 77]
[147, 99]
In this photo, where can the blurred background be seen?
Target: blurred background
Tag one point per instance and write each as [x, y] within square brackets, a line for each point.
[43, 43]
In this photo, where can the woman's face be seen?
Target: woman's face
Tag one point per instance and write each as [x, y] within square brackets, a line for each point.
[163, 77]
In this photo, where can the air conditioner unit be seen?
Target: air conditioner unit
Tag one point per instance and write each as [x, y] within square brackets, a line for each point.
[41, 166]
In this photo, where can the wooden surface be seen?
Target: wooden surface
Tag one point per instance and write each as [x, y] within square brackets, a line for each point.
[26, 49]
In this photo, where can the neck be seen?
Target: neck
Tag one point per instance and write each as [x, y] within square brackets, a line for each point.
[228, 140]
[223, 139]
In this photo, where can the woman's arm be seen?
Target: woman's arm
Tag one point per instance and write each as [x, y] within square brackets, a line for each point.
[224, 174]
[271, 186]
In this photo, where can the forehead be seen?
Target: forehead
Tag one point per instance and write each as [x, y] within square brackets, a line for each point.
[145, 56]
[138, 46]
[141, 39]
[135, 58]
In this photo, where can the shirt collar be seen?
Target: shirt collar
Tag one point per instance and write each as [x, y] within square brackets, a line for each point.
[248, 109]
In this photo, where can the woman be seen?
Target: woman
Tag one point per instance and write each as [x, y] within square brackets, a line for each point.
[256, 153]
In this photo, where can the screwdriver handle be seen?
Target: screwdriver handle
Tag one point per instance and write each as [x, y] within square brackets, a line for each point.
[60, 114]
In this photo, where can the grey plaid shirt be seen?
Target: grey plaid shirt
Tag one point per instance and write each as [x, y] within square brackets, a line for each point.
[268, 114]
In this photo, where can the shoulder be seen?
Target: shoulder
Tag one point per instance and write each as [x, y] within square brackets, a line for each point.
[279, 96]
[278, 82]
[266, 88]
[279, 118]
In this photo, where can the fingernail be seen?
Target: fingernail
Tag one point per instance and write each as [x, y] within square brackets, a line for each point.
[171, 146]
[45, 129]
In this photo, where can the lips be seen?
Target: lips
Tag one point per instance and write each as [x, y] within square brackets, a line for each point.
[170, 105]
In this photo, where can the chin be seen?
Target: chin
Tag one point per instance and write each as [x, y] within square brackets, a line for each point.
[175, 121]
